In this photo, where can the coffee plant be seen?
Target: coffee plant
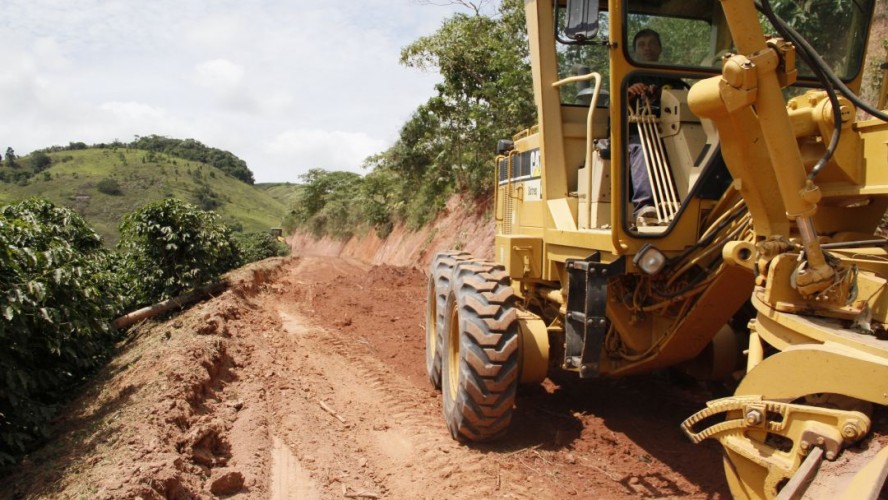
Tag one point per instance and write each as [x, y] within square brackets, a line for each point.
[258, 246]
[170, 247]
[57, 299]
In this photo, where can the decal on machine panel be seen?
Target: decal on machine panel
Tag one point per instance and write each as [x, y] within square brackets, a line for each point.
[533, 190]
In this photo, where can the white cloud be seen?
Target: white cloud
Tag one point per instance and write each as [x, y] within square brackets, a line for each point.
[274, 82]
[133, 111]
[301, 150]
[219, 74]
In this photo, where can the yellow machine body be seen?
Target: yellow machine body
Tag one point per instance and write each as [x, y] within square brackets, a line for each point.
[755, 238]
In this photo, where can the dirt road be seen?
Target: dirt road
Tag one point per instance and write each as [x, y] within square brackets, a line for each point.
[308, 382]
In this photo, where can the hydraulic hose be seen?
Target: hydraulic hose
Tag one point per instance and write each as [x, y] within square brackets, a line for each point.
[815, 61]
[823, 74]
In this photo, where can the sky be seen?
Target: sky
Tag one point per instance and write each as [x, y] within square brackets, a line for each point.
[286, 85]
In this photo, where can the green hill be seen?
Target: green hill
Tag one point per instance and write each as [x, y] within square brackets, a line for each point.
[103, 184]
[284, 192]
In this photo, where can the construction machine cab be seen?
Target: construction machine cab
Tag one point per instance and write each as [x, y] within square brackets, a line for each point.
[675, 144]
[593, 191]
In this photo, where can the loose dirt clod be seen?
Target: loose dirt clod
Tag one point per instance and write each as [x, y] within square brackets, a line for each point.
[228, 483]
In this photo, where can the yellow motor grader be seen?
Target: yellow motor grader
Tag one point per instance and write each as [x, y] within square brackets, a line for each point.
[756, 258]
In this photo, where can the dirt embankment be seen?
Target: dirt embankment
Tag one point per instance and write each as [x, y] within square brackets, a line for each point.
[462, 225]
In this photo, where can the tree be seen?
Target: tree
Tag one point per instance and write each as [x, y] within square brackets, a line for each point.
[475, 6]
[448, 143]
[40, 161]
[486, 94]
[190, 149]
[10, 158]
[328, 203]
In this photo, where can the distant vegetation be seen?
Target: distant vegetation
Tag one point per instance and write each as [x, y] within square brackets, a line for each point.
[104, 182]
[186, 149]
[189, 149]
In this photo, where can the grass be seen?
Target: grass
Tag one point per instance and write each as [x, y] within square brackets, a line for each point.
[285, 192]
[143, 178]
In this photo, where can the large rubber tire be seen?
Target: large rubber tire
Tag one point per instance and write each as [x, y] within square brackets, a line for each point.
[440, 278]
[481, 352]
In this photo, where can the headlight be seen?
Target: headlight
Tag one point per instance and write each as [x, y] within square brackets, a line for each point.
[650, 260]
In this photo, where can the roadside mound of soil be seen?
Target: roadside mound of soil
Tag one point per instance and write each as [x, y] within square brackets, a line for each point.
[157, 421]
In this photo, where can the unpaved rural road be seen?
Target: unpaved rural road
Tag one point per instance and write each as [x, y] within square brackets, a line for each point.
[309, 382]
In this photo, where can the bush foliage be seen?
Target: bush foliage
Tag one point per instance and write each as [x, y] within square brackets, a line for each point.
[56, 300]
[60, 290]
[110, 187]
[257, 246]
[170, 247]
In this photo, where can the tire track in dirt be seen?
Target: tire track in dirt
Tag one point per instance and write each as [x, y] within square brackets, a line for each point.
[288, 478]
[393, 439]
[351, 335]
[390, 433]
[455, 465]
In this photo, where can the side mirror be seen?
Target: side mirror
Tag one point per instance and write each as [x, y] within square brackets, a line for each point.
[581, 20]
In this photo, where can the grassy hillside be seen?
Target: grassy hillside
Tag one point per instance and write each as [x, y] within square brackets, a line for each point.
[284, 192]
[104, 184]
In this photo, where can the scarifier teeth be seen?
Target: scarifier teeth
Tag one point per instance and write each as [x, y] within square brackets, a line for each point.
[715, 407]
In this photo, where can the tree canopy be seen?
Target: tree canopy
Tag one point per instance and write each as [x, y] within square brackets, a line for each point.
[190, 149]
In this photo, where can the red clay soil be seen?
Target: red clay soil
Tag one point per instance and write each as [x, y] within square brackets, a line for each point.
[308, 381]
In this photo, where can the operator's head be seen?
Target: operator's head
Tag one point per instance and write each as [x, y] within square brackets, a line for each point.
[647, 45]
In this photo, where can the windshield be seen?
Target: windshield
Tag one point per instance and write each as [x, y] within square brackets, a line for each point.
[686, 33]
[693, 34]
[685, 37]
[678, 42]
[580, 59]
[836, 29]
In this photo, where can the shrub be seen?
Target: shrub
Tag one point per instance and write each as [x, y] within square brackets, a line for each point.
[170, 247]
[206, 198]
[110, 187]
[40, 161]
[258, 246]
[56, 303]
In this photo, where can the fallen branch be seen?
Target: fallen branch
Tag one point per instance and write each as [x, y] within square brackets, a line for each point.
[362, 494]
[529, 467]
[170, 304]
[331, 411]
[612, 477]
